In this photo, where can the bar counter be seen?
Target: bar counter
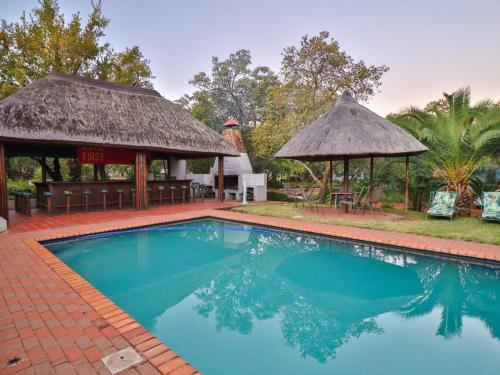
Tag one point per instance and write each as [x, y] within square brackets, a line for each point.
[95, 197]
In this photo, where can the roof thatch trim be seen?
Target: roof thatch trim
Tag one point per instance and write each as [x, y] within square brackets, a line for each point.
[66, 109]
[350, 130]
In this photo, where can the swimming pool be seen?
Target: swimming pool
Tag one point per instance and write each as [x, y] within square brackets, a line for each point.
[233, 298]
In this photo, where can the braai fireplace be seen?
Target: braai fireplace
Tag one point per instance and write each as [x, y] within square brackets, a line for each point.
[237, 171]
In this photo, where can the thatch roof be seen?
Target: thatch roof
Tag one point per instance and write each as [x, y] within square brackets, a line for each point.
[66, 109]
[351, 131]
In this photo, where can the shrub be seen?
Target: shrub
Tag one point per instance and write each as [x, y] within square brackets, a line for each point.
[393, 197]
[21, 184]
[274, 184]
[275, 196]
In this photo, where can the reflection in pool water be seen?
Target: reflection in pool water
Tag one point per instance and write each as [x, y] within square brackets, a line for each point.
[237, 299]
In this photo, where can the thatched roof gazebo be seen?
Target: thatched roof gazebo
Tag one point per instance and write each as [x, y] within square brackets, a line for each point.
[66, 109]
[59, 113]
[351, 131]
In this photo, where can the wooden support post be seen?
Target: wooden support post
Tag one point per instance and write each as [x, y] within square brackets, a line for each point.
[221, 179]
[371, 176]
[346, 179]
[331, 177]
[104, 201]
[407, 185]
[141, 180]
[346, 175]
[49, 206]
[44, 169]
[172, 195]
[4, 203]
[96, 174]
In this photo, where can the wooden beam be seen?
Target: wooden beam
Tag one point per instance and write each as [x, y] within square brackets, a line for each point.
[221, 179]
[407, 185]
[141, 180]
[4, 203]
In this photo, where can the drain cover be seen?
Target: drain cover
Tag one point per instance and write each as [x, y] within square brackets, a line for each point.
[121, 360]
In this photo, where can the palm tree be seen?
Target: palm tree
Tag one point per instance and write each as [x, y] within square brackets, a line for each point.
[461, 138]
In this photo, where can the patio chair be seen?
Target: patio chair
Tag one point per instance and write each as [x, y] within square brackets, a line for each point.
[308, 198]
[491, 206]
[371, 198]
[291, 196]
[442, 204]
[354, 202]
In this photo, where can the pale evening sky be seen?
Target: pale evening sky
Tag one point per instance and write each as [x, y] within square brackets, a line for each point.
[430, 46]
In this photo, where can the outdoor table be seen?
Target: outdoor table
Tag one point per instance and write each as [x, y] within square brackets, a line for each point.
[337, 194]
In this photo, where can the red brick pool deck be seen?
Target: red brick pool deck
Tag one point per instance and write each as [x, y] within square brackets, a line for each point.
[52, 321]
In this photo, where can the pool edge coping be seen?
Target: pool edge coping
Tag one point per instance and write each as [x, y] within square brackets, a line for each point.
[141, 339]
[149, 347]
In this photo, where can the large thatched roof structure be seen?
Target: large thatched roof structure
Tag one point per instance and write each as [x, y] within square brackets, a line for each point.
[62, 109]
[348, 131]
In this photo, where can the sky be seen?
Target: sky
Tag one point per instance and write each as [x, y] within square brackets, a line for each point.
[431, 47]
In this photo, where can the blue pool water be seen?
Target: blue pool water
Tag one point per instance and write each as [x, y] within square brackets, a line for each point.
[237, 299]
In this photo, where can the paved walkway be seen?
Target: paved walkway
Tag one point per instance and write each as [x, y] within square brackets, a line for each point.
[40, 221]
[415, 241]
[54, 322]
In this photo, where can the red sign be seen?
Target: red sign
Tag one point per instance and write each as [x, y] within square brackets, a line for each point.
[105, 155]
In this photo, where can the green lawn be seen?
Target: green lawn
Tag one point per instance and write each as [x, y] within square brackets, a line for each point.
[468, 229]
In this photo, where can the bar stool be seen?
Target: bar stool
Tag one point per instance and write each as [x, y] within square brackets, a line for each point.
[149, 196]
[194, 186]
[104, 193]
[202, 192]
[161, 189]
[184, 189]
[68, 195]
[17, 200]
[86, 194]
[48, 196]
[120, 192]
[132, 193]
[172, 194]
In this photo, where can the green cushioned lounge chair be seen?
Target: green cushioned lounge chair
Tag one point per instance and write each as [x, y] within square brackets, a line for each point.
[491, 206]
[442, 204]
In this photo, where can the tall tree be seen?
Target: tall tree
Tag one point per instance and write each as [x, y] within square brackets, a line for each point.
[236, 90]
[202, 108]
[43, 42]
[461, 138]
[313, 75]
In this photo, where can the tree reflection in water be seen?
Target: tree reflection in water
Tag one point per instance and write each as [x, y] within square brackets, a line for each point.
[325, 293]
[460, 289]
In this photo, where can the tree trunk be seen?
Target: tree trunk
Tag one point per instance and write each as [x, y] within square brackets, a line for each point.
[102, 172]
[75, 170]
[54, 173]
[464, 202]
[57, 175]
[325, 183]
[309, 170]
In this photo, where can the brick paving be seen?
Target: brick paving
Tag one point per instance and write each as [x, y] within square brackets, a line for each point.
[414, 241]
[52, 321]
